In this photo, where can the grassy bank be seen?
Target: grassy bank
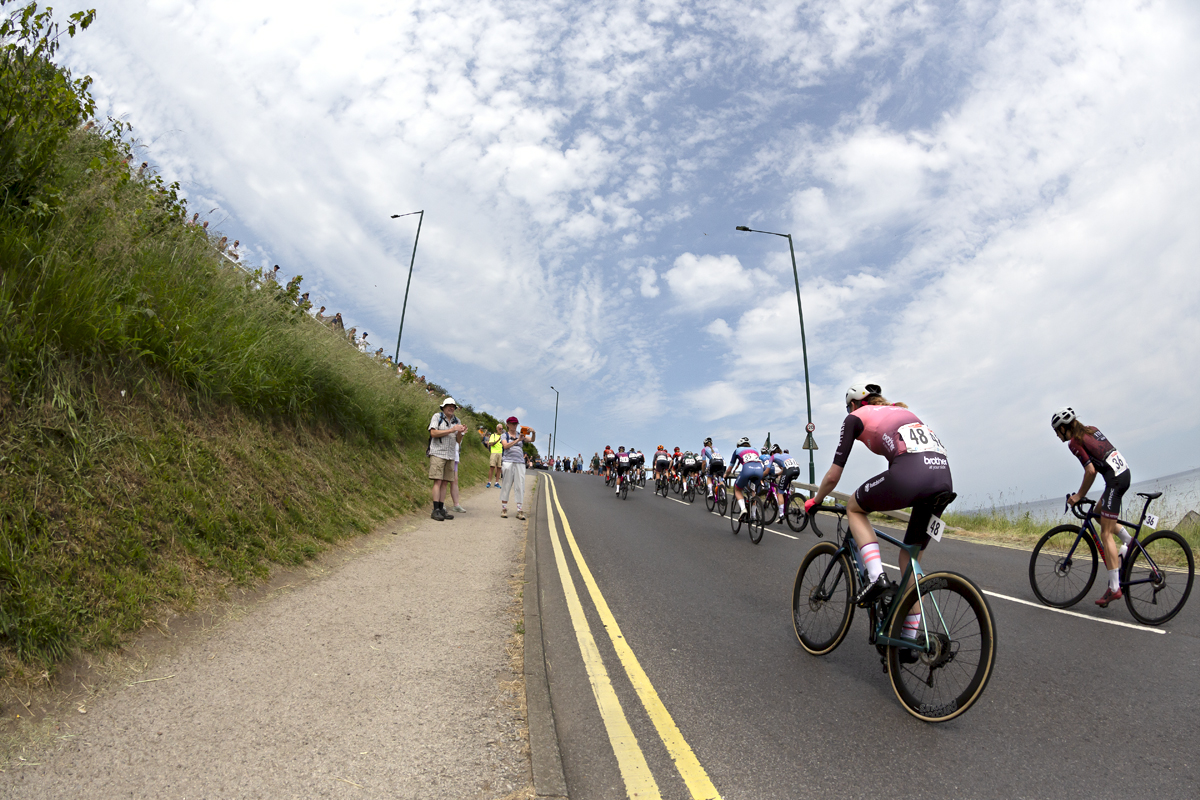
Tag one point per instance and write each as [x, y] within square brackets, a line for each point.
[168, 427]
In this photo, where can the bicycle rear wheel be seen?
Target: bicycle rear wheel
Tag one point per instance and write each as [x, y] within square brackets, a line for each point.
[797, 520]
[1063, 566]
[710, 498]
[624, 490]
[941, 684]
[1155, 593]
[689, 492]
[756, 520]
[821, 599]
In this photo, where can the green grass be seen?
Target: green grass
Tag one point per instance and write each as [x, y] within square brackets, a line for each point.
[167, 429]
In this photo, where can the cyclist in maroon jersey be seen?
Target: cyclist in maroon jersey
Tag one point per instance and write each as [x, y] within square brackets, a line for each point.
[1097, 455]
[917, 468]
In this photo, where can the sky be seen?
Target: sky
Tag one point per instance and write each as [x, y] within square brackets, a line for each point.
[993, 206]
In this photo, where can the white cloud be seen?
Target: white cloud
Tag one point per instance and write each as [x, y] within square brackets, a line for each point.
[706, 281]
[989, 202]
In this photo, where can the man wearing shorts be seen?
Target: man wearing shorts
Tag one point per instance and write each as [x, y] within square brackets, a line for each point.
[445, 433]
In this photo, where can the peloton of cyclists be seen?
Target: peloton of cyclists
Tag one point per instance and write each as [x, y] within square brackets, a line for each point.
[1097, 455]
[917, 468]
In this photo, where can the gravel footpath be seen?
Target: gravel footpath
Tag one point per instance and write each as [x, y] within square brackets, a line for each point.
[391, 670]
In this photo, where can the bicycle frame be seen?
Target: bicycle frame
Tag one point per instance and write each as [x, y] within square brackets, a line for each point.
[1087, 526]
[914, 570]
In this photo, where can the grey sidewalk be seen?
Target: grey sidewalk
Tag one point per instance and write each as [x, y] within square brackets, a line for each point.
[387, 674]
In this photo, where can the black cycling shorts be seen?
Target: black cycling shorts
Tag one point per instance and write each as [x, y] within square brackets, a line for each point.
[790, 474]
[695, 467]
[910, 478]
[716, 467]
[662, 465]
[1114, 491]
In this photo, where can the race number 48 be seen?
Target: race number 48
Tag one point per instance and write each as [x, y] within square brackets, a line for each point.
[936, 528]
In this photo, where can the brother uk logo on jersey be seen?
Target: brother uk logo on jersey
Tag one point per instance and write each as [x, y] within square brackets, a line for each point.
[937, 461]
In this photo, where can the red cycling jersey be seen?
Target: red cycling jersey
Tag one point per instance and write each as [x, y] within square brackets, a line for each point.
[1094, 448]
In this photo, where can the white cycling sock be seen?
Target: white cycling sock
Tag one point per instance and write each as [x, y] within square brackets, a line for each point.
[912, 626]
[872, 560]
[1114, 580]
[1124, 534]
[741, 506]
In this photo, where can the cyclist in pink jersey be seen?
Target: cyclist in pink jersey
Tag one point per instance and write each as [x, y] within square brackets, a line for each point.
[1098, 455]
[917, 468]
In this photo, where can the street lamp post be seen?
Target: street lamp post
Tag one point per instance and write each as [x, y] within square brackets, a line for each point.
[411, 262]
[554, 436]
[812, 469]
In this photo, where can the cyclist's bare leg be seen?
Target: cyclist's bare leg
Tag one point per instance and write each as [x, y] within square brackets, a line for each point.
[1108, 531]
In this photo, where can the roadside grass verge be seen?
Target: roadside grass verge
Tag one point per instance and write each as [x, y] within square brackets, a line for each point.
[170, 426]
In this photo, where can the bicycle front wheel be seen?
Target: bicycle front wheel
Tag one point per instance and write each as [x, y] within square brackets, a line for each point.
[722, 499]
[770, 510]
[689, 492]
[821, 599]
[1155, 592]
[735, 518]
[1063, 566]
[948, 674]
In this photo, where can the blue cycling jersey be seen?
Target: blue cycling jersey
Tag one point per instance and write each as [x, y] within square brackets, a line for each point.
[749, 458]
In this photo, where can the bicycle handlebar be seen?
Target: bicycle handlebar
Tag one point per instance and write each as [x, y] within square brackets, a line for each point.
[830, 509]
[1075, 508]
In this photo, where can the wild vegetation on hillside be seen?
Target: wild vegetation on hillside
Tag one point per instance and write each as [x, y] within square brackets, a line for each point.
[167, 425]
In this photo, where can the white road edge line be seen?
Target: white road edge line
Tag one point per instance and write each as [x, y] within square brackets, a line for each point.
[1063, 610]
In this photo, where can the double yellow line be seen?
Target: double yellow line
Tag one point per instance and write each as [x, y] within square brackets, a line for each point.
[639, 782]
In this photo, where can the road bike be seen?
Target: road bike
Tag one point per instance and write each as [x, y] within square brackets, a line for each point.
[1156, 573]
[623, 486]
[662, 485]
[939, 669]
[718, 498]
[690, 484]
[753, 516]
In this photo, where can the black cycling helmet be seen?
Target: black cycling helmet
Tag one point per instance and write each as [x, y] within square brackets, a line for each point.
[708, 441]
[776, 449]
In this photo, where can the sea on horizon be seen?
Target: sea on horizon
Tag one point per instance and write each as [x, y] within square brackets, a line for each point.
[1181, 494]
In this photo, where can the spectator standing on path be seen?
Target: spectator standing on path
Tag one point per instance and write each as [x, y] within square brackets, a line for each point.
[512, 474]
[496, 452]
[320, 317]
[595, 463]
[337, 323]
[445, 432]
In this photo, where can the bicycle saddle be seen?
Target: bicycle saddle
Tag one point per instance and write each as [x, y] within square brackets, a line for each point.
[1150, 495]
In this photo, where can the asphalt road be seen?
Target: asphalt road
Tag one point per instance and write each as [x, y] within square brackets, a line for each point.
[1075, 707]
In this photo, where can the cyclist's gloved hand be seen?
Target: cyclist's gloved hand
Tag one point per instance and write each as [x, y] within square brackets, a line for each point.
[808, 505]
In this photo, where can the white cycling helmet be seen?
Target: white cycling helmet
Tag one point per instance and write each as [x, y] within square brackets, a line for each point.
[861, 391]
[1063, 417]
[744, 441]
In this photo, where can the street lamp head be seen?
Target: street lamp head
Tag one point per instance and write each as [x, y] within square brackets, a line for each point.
[741, 228]
[395, 216]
